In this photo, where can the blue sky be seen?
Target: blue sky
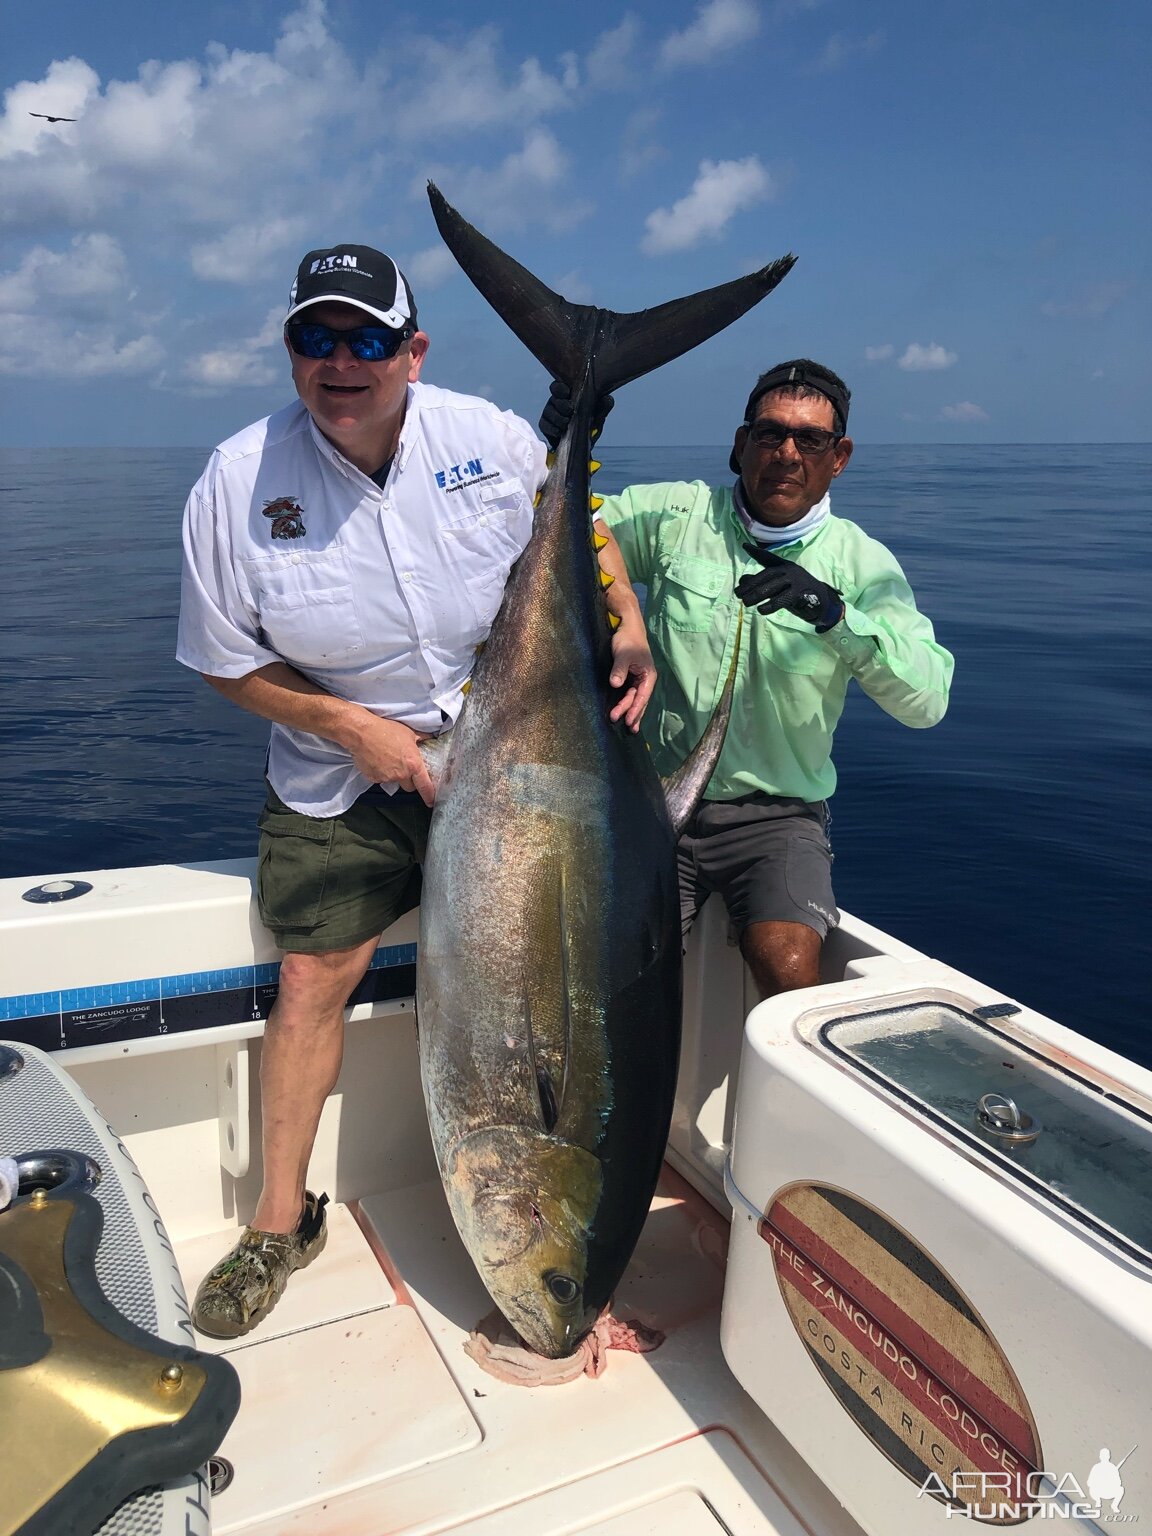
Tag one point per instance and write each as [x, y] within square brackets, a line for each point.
[966, 187]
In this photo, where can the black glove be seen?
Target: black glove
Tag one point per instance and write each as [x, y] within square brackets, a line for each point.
[557, 413]
[784, 584]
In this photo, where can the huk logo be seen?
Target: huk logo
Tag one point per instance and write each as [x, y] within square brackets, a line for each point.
[287, 518]
[998, 1498]
[336, 262]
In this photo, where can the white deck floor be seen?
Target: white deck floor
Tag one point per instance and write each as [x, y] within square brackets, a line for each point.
[362, 1415]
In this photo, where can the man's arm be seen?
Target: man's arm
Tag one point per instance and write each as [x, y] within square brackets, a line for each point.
[632, 666]
[384, 751]
[892, 651]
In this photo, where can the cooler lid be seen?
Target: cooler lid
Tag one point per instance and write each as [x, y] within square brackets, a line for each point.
[1086, 1149]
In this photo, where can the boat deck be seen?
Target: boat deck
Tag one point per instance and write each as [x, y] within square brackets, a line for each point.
[362, 1414]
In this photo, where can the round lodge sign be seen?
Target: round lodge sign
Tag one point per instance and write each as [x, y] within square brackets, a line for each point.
[903, 1350]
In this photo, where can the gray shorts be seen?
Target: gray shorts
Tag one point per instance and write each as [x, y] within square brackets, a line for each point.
[767, 855]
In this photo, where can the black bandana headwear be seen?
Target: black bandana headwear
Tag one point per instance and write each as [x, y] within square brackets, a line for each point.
[801, 370]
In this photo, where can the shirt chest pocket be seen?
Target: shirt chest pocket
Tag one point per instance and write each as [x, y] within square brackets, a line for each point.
[792, 645]
[692, 591]
[307, 606]
[484, 538]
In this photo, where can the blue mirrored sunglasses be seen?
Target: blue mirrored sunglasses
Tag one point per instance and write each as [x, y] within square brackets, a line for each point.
[369, 343]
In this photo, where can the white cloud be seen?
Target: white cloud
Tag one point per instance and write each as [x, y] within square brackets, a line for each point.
[1090, 304]
[840, 49]
[719, 26]
[573, 286]
[64, 92]
[61, 314]
[271, 333]
[230, 368]
[722, 189]
[520, 189]
[879, 354]
[638, 147]
[90, 276]
[240, 364]
[609, 62]
[243, 251]
[929, 359]
[53, 349]
[429, 268]
[459, 83]
[207, 144]
[964, 410]
[220, 169]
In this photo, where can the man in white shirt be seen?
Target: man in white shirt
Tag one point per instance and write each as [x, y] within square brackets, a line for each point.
[343, 559]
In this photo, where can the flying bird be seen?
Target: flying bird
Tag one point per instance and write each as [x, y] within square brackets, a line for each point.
[52, 119]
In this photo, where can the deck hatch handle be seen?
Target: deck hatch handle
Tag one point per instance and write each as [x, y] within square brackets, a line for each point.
[998, 1115]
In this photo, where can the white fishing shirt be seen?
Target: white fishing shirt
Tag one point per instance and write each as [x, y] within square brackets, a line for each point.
[377, 595]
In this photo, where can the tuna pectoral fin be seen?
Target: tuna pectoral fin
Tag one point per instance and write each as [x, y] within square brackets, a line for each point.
[569, 338]
[434, 750]
[684, 788]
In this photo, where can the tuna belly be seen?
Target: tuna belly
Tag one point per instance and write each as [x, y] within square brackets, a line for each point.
[548, 1003]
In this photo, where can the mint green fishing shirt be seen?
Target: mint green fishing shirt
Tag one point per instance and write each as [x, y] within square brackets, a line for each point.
[685, 543]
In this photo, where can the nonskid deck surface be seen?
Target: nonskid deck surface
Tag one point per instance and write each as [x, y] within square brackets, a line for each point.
[362, 1415]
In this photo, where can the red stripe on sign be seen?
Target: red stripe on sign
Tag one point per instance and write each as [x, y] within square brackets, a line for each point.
[971, 1435]
[819, 1254]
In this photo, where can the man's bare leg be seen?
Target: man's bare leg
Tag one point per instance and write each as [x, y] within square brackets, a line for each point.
[782, 956]
[299, 1065]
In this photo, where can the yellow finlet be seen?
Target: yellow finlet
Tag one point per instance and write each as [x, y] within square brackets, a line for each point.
[606, 580]
[550, 458]
[539, 497]
[595, 502]
[464, 687]
[599, 540]
[593, 466]
[614, 621]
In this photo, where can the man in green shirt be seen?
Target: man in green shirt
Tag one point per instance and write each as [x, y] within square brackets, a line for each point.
[823, 604]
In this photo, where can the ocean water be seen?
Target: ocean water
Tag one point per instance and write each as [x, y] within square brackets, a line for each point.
[1013, 840]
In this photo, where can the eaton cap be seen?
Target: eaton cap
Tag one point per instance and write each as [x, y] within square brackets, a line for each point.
[354, 274]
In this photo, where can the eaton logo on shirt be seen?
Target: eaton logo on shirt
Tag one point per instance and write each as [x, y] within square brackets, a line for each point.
[457, 476]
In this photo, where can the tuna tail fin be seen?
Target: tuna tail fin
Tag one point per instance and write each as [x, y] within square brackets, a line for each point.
[573, 340]
[684, 788]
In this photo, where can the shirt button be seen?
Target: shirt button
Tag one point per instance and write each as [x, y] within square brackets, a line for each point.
[297, 559]
[483, 522]
[407, 576]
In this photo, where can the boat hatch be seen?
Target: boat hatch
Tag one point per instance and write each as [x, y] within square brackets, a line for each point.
[1068, 1138]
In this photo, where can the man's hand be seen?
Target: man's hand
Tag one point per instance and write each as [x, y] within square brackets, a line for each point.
[784, 584]
[557, 413]
[388, 752]
[634, 670]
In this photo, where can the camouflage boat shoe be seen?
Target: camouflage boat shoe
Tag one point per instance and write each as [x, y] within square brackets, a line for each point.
[249, 1281]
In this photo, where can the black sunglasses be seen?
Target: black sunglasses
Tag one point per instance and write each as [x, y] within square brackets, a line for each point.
[810, 441]
[368, 343]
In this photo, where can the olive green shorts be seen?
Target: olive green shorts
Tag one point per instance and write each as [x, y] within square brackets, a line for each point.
[331, 882]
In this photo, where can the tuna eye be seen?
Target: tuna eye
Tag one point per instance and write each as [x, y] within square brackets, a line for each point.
[564, 1289]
